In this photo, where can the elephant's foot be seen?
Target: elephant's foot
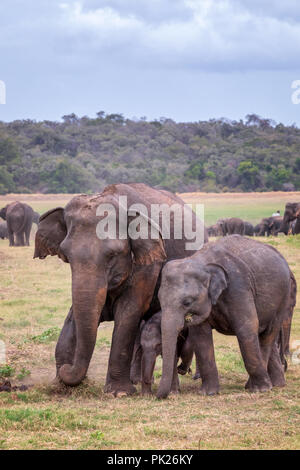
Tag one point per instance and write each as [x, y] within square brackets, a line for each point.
[258, 385]
[146, 389]
[209, 388]
[197, 376]
[182, 370]
[135, 380]
[277, 379]
[119, 389]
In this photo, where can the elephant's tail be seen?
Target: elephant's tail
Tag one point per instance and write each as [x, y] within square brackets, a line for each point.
[285, 330]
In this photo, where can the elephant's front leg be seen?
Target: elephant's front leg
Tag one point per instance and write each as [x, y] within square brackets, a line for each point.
[129, 308]
[202, 341]
[118, 375]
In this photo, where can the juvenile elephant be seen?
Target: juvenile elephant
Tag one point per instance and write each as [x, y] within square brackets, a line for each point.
[115, 277]
[239, 287]
[3, 230]
[148, 346]
[19, 218]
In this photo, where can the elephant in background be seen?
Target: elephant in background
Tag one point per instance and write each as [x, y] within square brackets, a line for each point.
[148, 346]
[19, 218]
[257, 230]
[3, 230]
[271, 226]
[249, 229]
[215, 230]
[237, 286]
[291, 214]
[113, 279]
[231, 226]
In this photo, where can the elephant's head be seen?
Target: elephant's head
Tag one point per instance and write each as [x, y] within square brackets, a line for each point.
[189, 289]
[265, 226]
[292, 211]
[3, 212]
[99, 266]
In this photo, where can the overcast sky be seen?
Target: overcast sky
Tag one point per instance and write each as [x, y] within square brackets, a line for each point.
[188, 60]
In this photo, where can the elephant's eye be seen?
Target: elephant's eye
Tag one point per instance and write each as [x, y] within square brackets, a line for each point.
[187, 302]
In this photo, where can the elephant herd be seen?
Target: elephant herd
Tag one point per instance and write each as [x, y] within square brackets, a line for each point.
[19, 218]
[164, 298]
[289, 224]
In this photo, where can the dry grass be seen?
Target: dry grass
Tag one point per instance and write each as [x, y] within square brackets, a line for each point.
[34, 300]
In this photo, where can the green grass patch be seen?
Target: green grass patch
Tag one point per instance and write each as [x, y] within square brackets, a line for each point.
[47, 336]
[6, 371]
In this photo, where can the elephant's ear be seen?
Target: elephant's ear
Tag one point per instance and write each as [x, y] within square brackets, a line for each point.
[150, 249]
[51, 232]
[218, 282]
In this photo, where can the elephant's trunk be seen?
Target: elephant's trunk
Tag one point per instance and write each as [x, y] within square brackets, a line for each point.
[170, 328]
[88, 297]
[148, 364]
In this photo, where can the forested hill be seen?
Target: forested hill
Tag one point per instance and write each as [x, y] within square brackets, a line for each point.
[85, 154]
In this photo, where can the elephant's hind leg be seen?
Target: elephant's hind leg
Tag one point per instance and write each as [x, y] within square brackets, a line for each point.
[275, 368]
[247, 334]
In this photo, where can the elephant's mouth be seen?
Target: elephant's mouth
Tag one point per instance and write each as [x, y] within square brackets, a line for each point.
[188, 317]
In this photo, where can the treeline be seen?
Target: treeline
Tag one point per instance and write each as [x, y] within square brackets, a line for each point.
[85, 154]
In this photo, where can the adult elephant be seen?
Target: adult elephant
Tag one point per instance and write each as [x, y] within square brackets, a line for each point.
[112, 279]
[19, 218]
[271, 226]
[239, 287]
[292, 213]
[231, 226]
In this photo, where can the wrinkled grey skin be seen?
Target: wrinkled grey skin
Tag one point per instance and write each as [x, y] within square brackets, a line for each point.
[238, 286]
[148, 346]
[19, 218]
[114, 279]
[3, 230]
[249, 229]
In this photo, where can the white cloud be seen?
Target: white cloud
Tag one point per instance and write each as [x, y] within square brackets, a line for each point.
[210, 35]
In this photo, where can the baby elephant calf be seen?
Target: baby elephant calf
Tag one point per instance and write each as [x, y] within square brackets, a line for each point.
[148, 346]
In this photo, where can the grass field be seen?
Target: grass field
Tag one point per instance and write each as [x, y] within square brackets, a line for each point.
[34, 299]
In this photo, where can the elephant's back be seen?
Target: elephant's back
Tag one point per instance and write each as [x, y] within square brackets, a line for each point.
[265, 265]
[15, 216]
